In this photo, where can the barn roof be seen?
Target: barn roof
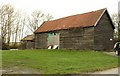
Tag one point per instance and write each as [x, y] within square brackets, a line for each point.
[80, 20]
[28, 38]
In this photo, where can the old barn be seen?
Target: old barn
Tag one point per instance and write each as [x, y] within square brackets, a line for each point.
[27, 42]
[92, 31]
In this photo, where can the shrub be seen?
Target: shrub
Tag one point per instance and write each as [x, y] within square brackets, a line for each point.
[5, 46]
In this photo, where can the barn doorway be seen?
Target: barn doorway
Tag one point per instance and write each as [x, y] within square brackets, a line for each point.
[53, 40]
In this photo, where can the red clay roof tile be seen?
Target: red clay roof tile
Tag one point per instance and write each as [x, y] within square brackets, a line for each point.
[80, 20]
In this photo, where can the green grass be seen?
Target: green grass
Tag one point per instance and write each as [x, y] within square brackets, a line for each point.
[0, 59]
[59, 61]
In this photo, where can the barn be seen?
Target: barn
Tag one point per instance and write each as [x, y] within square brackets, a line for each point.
[27, 42]
[88, 31]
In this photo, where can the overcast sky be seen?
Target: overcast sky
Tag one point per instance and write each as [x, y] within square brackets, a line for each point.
[63, 8]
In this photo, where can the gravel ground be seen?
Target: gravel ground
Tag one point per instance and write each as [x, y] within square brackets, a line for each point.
[110, 71]
[111, 53]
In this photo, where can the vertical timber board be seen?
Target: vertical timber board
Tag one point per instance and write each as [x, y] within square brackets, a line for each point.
[41, 41]
[103, 34]
[30, 45]
[77, 38]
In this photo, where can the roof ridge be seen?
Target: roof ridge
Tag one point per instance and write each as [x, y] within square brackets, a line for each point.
[77, 14]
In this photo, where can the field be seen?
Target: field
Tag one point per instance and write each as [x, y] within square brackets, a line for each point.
[58, 61]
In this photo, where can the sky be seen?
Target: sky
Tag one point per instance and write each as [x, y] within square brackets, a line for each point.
[63, 8]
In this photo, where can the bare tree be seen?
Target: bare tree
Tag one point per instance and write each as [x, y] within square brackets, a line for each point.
[23, 23]
[6, 21]
[36, 19]
[18, 28]
[116, 21]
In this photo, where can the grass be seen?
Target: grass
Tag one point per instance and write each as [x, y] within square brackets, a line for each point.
[59, 61]
[0, 59]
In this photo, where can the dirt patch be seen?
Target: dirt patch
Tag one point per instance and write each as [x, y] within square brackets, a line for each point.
[17, 70]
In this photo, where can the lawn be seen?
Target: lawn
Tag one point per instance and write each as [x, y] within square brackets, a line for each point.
[59, 61]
